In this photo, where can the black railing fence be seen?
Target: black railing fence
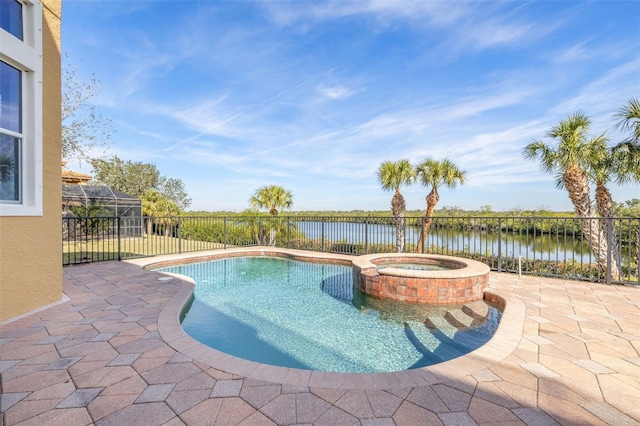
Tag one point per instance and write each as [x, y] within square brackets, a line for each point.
[594, 249]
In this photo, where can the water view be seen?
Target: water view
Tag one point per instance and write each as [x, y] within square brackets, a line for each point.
[561, 247]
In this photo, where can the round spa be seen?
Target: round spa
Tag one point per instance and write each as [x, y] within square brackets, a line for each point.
[421, 278]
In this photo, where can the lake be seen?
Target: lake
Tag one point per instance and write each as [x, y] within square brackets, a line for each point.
[540, 247]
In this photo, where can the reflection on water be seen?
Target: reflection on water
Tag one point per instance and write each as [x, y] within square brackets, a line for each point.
[512, 244]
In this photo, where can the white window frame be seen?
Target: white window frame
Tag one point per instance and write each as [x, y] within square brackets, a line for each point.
[26, 56]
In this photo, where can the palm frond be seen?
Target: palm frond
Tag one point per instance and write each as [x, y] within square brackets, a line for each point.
[629, 118]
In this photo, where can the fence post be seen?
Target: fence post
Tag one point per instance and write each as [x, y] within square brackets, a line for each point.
[366, 235]
[499, 244]
[224, 227]
[179, 235]
[322, 234]
[64, 220]
[424, 223]
[610, 247]
[288, 230]
[119, 238]
[637, 249]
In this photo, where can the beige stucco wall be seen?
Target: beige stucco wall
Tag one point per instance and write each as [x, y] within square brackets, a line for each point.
[30, 247]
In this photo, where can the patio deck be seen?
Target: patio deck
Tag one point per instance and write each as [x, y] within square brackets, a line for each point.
[112, 355]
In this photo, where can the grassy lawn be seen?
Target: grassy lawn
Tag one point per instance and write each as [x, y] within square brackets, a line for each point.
[107, 249]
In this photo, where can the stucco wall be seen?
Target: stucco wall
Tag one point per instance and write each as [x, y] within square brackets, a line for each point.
[30, 247]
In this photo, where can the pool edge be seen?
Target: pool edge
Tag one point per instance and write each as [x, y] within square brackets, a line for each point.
[503, 343]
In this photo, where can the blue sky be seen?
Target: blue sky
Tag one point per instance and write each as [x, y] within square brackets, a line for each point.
[230, 96]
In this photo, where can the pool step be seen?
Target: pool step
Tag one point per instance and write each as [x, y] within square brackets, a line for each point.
[467, 316]
[479, 311]
[450, 332]
[458, 319]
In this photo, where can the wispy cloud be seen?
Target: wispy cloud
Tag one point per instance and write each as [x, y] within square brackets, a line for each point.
[336, 92]
[605, 93]
[230, 96]
[296, 13]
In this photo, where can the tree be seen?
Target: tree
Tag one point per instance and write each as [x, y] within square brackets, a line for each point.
[436, 173]
[133, 178]
[626, 154]
[273, 197]
[253, 220]
[486, 209]
[391, 176]
[601, 167]
[175, 191]
[568, 160]
[629, 208]
[136, 178]
[156, 205]
[84, 129]
[629, 119]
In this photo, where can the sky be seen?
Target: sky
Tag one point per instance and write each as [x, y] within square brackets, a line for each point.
[230, 96]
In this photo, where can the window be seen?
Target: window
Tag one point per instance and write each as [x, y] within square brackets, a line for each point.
[11, 17]
[10, 121]
[20, 108]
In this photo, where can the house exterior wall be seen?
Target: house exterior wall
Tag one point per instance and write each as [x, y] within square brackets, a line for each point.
[30, 246]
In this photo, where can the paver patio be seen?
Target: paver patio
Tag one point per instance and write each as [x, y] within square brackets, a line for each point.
[111, 355]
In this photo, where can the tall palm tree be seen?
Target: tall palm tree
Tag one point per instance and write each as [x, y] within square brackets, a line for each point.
[391, 176]
[601, 169]
[569, 160]
[273, 197]
[626, 154]
[435, 173]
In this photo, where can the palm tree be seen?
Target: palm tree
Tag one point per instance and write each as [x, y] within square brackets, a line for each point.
[273, 197]
[252, 219]
[391, 176]
[626, 154]
[154, 204]
[629, 118]
[436, 173]
[601, 168]
[569, 160]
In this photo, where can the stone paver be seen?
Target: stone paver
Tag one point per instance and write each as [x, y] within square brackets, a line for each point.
[114, 354]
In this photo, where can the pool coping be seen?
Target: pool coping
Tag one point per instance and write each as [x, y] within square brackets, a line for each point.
[503, 343]
[469, 267]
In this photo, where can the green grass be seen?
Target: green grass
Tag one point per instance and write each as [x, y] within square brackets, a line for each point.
[107, 249]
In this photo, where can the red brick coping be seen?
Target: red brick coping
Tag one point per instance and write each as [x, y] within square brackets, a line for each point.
[463, 281]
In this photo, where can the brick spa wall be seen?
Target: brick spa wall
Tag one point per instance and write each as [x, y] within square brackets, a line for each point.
[465, 283]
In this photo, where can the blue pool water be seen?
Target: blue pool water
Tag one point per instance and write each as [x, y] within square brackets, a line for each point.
[307, 315]
[414, 266]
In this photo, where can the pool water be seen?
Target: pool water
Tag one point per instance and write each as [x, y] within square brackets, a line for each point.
[414, 266]
[306, 315]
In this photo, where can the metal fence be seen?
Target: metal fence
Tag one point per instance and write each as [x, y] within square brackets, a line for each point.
[545, 246]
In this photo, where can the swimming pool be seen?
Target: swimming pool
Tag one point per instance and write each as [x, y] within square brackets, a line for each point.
[306, 315]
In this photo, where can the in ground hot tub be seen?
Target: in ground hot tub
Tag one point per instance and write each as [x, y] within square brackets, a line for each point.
[421, 278]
